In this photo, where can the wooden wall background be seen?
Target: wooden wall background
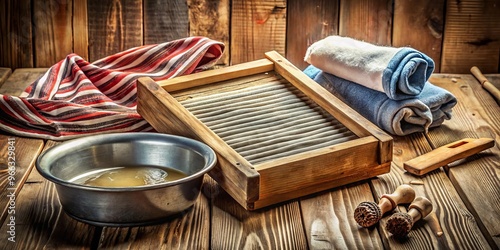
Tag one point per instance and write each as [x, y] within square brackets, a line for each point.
[457, 34]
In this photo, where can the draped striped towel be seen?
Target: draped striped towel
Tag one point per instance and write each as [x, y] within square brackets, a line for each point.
[76, 98]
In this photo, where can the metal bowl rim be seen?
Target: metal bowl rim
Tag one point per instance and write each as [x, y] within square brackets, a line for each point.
[124, 137]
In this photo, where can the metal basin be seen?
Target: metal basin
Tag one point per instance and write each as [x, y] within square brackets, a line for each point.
[126, 206]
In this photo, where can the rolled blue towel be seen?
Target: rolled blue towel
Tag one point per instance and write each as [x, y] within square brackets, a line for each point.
[398, 117]
[400, 73]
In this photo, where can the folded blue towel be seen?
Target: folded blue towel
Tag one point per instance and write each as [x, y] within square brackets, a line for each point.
[407, 74]
[398, 117]
[400, 73]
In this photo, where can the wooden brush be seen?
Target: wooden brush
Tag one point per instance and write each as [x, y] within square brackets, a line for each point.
[400, 224]
[368, 213]
[487, 85]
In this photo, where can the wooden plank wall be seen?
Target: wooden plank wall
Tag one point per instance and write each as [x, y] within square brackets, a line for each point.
[456, 34]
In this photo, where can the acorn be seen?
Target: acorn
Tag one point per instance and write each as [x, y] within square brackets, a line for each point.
[368, 213]
[400, 224]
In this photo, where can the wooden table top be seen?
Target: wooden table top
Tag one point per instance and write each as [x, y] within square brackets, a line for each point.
[465, 195]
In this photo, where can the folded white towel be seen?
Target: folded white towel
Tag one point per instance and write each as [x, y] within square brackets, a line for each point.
[401, 73]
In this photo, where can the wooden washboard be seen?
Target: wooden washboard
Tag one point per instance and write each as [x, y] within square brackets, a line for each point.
[278, 134]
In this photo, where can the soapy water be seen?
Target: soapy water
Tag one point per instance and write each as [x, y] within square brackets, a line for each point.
[130, 176]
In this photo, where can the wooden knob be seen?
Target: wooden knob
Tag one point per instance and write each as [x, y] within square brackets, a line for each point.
[368, 213]
[400, 224]
[422, 205]
[402, 195]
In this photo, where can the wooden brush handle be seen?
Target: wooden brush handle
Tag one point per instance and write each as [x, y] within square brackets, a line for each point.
[486, 84]
[420, 208]
[403, 194]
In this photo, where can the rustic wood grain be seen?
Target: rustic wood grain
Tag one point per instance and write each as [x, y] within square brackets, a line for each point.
[447, 154]
[471, 36]
[114, 26]
[476, 177]
[164, 22]
[23, 150]
[20, 79]
[80, 29]
[53, 36]
[459, 227]
[420, 26]
[188, 230]
[16, 41]
[41, 222]
[318, 173]
[4, 74]
[257, 27]
[17, 156]
[367, 20]
[308, 22]
[210, 18]
[275, 227]
[329, 219]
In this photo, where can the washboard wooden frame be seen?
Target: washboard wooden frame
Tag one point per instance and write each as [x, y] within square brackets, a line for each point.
[259, 185]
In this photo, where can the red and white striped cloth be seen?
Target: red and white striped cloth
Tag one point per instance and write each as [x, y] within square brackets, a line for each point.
[76, 98]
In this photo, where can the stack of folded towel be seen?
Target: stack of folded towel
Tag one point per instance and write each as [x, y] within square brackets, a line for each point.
[388, 86]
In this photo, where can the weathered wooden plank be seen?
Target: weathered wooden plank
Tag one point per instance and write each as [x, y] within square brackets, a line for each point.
[471, 36]
[4, 74]
[459, 227]
[329, 222]
[233, 227]
[308, 22]
[475, 178]
[80, 29]
[420, 26]
[114, 26]
[210, 18]
[189, 230]
[20, 79]
[53, 35]
[367, 20]
[17, 156]
[41, 222]
[257, 27]
[164, 22]
[16, 45]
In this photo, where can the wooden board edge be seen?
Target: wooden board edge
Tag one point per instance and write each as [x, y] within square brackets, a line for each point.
[318, 187]
[345, 114]
[348, 164]
[211, 76]
[178, 120]
[242, 195]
